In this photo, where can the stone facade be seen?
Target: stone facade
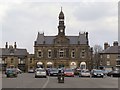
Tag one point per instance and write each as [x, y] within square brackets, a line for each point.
[13, 57]
[109, 55]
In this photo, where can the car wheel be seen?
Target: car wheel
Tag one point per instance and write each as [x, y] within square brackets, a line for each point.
[15, 75]
[111, 75]
[7, 76]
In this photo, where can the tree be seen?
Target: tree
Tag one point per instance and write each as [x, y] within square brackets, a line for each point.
[96, 60]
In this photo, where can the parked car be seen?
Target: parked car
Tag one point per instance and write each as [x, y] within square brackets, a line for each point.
[97, 73]
[11, 72]
[84, 73]
[31, 71]
[53, 72]
[114, 73]
[40, 73]
[69, 72]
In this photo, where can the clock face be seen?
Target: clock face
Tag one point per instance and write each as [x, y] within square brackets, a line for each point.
[61, 30]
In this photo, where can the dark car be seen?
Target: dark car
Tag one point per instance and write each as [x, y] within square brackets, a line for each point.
[97, 73]
[114, 73]
[53, 72]
[11, 73]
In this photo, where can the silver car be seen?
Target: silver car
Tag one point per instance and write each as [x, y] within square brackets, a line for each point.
[40, 73]
[85, 73]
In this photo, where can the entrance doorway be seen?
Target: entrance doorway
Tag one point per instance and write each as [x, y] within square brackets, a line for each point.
[39, 65]
[82, 65]
[49, 65]
[73, 65]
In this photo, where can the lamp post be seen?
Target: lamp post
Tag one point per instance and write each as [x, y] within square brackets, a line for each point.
[91, 52]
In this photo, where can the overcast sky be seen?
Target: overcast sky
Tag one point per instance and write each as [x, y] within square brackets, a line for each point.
[21, 21]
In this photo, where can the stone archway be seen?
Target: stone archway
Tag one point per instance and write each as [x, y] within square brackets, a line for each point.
[83, 65]
[39, 65]
[49, 64]
[73, 65]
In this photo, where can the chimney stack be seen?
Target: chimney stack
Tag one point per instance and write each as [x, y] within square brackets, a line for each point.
[6, 46]
[106, 45]
[115, 43]
[15, 46]
[86, 35]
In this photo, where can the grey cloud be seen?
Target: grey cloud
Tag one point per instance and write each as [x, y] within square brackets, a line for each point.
[24, 21]
[94, 11]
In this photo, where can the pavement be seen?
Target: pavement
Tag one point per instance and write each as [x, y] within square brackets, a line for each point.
[27, 80]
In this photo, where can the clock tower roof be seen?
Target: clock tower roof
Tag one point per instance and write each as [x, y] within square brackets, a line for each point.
[61, 14]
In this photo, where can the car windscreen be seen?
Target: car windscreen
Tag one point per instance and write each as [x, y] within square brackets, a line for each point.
[10, 71]
[85, 71]
[98, 71]
[54, 70]
[41, 70]
[68, 71]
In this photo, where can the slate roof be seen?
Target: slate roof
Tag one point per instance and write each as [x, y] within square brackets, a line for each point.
[112, 50]
[13, 52]
[50, 39]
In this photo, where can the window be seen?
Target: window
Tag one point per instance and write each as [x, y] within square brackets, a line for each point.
[0, 60]
[49, 53]
[61, 53]
[40, 54]
[19, 60]
[3, 61]
[108, 63]
[12, 60]
[100, 56]
[108, 56]
[73, 53]
[83, 53]
[118, 62]
[30, 60]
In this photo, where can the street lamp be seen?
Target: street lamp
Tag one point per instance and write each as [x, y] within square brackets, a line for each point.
[91, 52]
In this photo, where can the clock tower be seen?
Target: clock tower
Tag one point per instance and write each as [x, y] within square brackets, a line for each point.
[61, 26]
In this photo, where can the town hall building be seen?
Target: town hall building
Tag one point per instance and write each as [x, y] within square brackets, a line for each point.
[62, 50]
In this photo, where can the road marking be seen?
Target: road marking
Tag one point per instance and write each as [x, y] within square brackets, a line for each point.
[44, 86]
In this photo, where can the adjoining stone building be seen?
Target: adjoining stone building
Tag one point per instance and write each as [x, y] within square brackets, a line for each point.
[62, 50]
[31, 62]
[13, 57]
[109, 56]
